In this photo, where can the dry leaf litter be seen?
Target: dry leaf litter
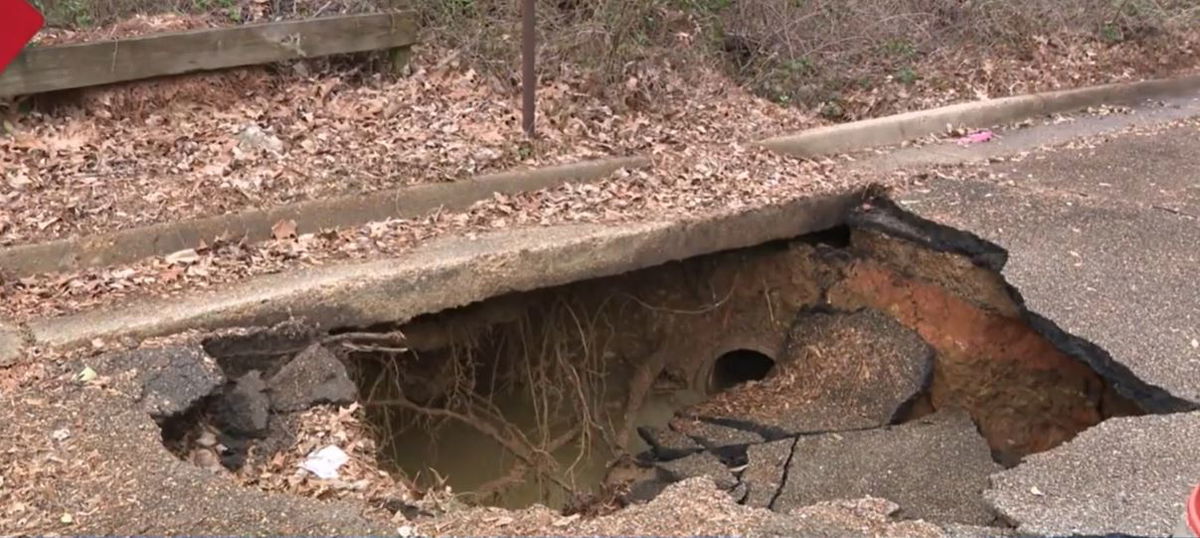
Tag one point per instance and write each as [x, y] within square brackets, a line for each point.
[181, 148]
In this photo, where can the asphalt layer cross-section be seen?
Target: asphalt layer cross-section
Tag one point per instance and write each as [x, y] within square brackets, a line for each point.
[1104, 239]
[1105, 242]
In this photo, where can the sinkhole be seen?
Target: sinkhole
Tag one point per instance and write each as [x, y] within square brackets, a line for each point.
[885, 351]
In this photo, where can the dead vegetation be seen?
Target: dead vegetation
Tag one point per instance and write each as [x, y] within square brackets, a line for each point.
[840, 60]
[845, 60]
[616, 77]
[857, 59]
[135, 154]
[534, 386]
[67, 18]
[360, 478]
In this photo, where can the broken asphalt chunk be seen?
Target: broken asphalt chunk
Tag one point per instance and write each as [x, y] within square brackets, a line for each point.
[699, 464]
[314, 376]
[765, 470]
[839, 371]
[668, 444]
[173, 378]
[244, 408]
[935, 468]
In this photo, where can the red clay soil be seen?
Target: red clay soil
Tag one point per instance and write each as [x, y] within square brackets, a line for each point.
[1025, 394]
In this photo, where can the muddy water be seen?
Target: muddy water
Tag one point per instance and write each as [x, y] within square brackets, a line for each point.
[467, 460]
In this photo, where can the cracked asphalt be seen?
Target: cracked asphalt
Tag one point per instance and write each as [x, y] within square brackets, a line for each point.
[1104, 240]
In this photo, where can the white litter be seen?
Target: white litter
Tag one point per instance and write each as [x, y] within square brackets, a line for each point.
[86, 375]
[324, 463]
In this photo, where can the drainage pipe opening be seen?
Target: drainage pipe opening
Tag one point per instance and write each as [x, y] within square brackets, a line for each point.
[737, 367]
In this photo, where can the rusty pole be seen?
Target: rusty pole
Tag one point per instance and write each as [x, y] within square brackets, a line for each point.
[528, 74]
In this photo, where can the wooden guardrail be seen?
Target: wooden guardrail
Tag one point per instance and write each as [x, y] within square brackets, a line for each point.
[43, 69]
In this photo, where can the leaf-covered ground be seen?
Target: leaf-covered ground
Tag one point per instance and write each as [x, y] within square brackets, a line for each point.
[197, 146]
[154, 151]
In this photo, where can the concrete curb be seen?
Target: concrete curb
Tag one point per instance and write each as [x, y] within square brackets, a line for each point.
[311, 216]
[888, 130]
[447, 273]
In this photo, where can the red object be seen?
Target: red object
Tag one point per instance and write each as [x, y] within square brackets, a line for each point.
[19, 22]
[1193, 511]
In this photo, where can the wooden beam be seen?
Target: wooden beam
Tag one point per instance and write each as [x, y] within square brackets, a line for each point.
[46, 69]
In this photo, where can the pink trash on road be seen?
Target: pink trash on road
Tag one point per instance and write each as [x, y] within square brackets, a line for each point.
[976, 137]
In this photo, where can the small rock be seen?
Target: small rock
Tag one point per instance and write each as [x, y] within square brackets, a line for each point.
[207, 439]
[60, 434]
[739, 492]
[700, 464]
[253, 137]
[182, 257]
[205, 459]
[668, 444]
[244, 408]
[233, 451]
[314, 376]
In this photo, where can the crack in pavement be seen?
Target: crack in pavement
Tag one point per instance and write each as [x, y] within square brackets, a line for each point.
[784, 477]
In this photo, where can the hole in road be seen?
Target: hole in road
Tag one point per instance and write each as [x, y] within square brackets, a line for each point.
[739, 366]
[576, 396]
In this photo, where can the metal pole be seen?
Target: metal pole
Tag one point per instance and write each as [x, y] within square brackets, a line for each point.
[528, 74]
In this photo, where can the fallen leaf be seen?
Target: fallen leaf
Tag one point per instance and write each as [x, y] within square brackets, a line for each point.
[171, 274]
[46, 223]
[563, 522]
[19, 180]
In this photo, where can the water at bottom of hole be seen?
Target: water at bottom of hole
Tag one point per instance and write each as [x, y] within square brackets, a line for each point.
[468, 460]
